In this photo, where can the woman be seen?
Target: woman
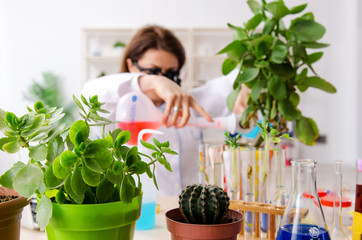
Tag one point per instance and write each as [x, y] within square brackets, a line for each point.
[151, 64]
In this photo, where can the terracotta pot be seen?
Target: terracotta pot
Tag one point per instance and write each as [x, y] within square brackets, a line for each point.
[10, 215]
[185, 231]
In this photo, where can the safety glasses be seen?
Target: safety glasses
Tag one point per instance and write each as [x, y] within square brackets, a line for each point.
[171, 74]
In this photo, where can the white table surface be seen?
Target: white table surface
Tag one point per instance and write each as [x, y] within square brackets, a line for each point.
[159, 232]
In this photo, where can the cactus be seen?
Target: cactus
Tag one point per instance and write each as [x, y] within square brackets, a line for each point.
[203, 204]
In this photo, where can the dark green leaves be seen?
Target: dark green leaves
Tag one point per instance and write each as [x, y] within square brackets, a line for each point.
[254, 21]
[277, 9]
[247, 75]
[307, 30]
[127, 189]
[277, 88]
[288, 110]
[228, 65]
[122, 138]
[306, 130]
[278, 54]
[90, 177]
[104, 190]
[319, 83]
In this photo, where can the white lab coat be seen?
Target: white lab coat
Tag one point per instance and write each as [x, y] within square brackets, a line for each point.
[185, 141]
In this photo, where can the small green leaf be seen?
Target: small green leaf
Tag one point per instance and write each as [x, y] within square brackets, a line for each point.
[228, 65]
[78, 103]
[256, 90]
[231, 98]
[255, 6]
[132, 156]
[247, 75]
[77, 182]
[44, 211]
[157, 143]
[277, 8]
[139, 167]
[90, 177]
[261, 64]
[92, 165]
[81, 129]
[314, 45]
[239, 33]
[104, 190]
[38, 106]
[254, 21]
[279, 53]
[51, 181]
[314, 57]
[115, 133]
[307, 30]
[55, 148]
[113, 177]
[319, 83]
[269, 25]
[11, 147]
[294, 99]
[287, 109]
[60, 197]
[68, 188]
[5, 140]
[98, 150]
[117, 167]
[58, 170]
[6, 180]
[122, 138]
[127, 189]
[298, 9]
[277, 88]
[148, 145]
[306, 130]
[27, 180]
[68, 159]
[38, 153]
[168, 150]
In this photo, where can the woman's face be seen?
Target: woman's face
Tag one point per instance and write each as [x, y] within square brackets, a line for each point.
[154, 58]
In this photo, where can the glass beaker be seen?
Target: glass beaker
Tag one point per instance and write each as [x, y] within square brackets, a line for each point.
[303, 217]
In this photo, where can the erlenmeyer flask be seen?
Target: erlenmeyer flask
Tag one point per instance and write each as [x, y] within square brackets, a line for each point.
[303, 217]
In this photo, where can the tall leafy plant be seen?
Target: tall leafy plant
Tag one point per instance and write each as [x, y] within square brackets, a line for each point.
[74, 169]
[276, 62]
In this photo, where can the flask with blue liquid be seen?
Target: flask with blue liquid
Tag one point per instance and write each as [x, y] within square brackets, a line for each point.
[303, 218]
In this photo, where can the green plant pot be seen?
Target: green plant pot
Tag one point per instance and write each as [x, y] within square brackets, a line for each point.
[107, 221]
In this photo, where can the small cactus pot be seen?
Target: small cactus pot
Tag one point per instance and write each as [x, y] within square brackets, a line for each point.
[180, 230]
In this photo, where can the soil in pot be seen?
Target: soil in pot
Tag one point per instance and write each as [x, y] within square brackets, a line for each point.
[10, 213]
[184, 231]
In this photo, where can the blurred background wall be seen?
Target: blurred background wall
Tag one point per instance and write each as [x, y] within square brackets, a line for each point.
[42, 35]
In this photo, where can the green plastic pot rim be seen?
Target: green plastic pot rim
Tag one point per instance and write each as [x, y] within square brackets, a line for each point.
[94, 217]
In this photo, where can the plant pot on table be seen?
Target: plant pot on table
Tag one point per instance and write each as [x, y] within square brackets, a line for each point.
[107, 221]
[180, 230]
[10, 214]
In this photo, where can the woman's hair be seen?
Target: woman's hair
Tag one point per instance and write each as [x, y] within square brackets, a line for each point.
[153, 37]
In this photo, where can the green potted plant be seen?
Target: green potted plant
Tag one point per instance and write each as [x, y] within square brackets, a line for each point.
[86, 189]
[203, 213]
[275, 62]
[118, 47]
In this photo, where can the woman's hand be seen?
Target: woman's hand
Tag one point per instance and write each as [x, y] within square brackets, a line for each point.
[178, 102]
[241, 102]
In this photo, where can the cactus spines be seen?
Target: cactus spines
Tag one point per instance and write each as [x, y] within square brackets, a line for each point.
[203, 204]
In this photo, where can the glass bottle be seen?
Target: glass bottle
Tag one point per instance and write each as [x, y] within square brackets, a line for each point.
[337, 231]
[358, 202]
[303, 218]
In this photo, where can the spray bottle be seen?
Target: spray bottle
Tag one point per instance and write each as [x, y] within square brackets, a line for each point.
[135, 111]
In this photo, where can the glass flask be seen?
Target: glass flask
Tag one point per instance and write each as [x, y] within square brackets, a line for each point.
[303, 217]
[337, 231]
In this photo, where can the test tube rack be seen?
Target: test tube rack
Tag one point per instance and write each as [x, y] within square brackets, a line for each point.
[258, 208]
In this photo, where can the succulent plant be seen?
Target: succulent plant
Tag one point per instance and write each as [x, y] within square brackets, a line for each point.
[203, 204]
